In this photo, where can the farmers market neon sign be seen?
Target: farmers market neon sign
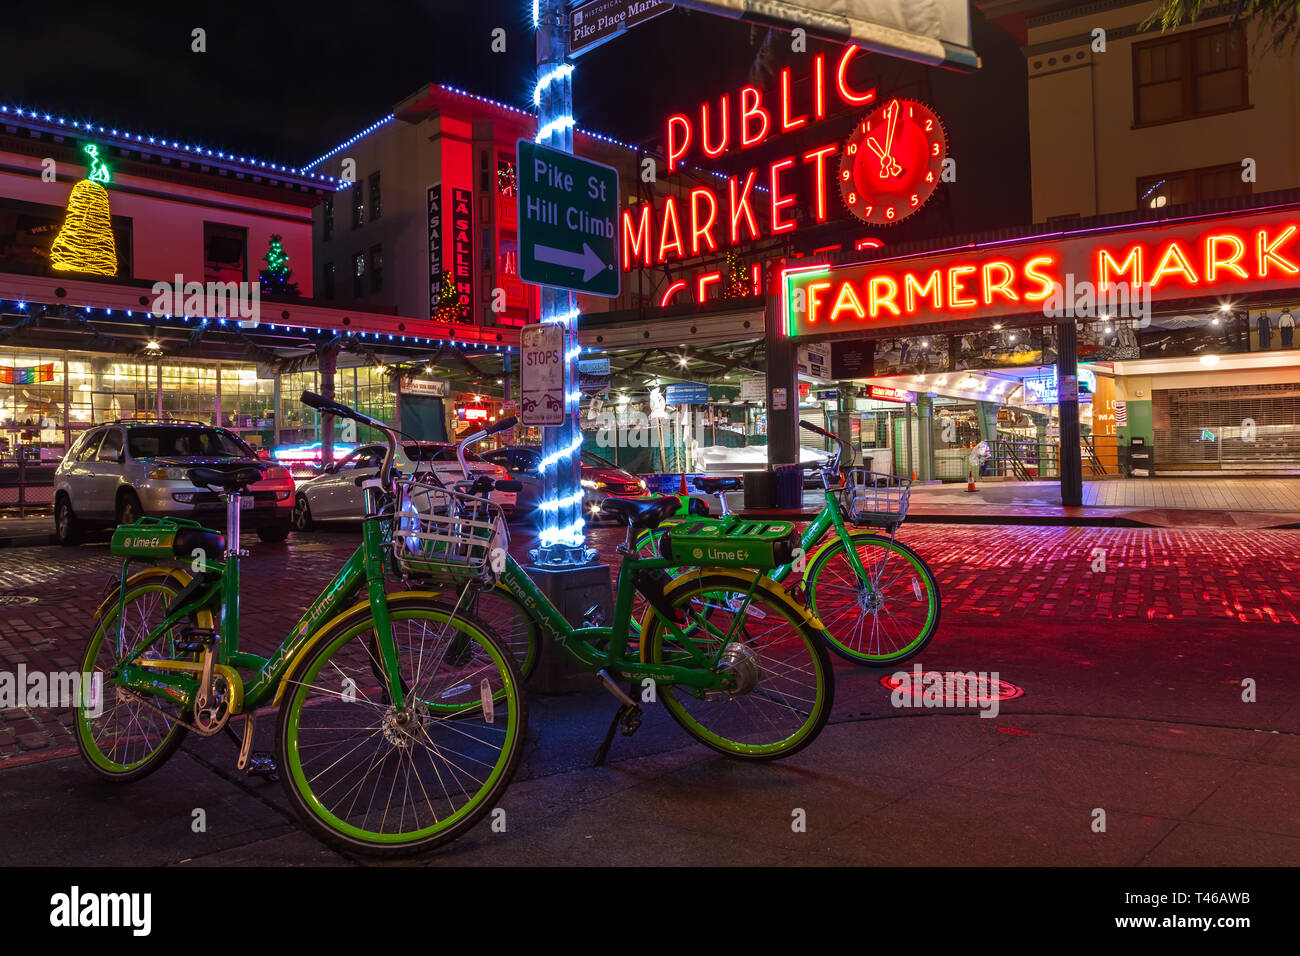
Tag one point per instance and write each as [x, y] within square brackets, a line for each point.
[1243, 254]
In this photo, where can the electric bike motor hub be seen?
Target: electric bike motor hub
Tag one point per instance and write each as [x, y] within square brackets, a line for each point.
[740, 665]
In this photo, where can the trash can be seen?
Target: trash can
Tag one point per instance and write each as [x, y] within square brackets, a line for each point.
[788, 482]
[758, 489]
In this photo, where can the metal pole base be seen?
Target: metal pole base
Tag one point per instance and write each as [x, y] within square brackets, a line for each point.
[562, 556]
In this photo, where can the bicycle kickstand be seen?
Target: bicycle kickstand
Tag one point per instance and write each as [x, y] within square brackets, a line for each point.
[627, 717]
[255, 763]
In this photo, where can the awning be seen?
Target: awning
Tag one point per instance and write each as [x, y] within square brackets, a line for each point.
[927, 31]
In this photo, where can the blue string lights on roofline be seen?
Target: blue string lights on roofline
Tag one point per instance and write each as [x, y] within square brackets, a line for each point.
[95, 129]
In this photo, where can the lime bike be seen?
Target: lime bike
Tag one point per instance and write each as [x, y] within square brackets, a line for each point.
[400, 723]
[875, 597]
[735, 660]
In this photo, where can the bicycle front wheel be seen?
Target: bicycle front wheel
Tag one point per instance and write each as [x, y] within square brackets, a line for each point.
[780, 687]
[883, 619]
[370, 777]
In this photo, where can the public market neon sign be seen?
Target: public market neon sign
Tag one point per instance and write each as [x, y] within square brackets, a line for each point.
[707, 219]
[1243, 254]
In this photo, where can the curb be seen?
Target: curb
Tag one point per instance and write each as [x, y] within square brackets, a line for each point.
[28, 540]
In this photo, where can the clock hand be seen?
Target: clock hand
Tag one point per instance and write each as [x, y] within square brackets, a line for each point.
[892, 110]
[875, 148]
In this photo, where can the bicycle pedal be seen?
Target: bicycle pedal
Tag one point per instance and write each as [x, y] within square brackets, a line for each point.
[261, 763]
[196, 639]
[629, 720]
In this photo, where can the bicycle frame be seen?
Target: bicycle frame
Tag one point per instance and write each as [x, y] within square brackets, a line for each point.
[177, 679]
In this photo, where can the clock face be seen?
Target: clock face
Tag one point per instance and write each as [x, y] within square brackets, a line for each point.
[892, 162]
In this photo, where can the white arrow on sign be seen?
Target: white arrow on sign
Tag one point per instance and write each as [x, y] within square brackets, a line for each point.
[586, 260]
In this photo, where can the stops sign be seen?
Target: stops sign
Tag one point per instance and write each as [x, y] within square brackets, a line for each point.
[541, 374]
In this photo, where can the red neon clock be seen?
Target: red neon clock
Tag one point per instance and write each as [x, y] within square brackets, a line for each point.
[892, 162]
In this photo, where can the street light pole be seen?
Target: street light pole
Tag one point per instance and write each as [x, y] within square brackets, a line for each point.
[563, 542]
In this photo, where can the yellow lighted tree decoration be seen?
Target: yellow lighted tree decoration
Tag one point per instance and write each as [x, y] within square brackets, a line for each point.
[85, 243]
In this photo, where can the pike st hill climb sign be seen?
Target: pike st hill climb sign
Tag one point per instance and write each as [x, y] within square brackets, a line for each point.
[568, 221]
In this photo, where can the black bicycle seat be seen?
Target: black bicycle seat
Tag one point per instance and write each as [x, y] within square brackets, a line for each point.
[230, 480]
[639, 512]
[712, 486]
[188, 540]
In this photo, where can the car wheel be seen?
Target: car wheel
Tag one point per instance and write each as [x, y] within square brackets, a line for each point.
[67, 529]
[273, 533]
[128, 508]
[301, 518]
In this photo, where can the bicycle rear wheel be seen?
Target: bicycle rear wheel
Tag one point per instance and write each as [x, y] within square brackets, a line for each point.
[368, 777]
[782, 685]
[884, 620]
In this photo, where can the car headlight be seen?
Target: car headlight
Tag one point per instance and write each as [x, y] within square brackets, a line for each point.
[591, 485]
[641, 482]
[164, 473]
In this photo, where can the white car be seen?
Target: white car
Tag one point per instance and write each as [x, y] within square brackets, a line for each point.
[335, 494]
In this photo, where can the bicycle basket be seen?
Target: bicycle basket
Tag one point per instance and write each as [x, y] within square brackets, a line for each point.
[872, 498]
[444, 536]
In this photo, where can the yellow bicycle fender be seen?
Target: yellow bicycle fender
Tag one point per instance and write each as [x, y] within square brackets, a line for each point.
[743, 579]
[358, 610]
[182, 579]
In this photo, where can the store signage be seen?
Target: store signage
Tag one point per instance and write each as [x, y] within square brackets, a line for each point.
[753, 389]
[764, 202]
[887, 393]
[593, 376]
[434, 201]
[1045, 389]
[473, 413]
[827, 394]
[462, 230]
[687, 393]
[435, 388]
[815, 360]
[852, 360]
[593, 23]
[542, 374]
[568, 207]
[1232, 255]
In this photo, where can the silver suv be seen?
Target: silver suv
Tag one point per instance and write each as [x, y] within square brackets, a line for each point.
[116, 473]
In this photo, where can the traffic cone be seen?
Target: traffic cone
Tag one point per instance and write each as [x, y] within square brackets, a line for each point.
[682, 490]
[970, 481]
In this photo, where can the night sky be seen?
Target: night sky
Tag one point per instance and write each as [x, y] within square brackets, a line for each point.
[285, 82]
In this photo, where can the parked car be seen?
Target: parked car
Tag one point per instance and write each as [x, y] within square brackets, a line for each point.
[119, 472]
[600, 478]
[334, 495]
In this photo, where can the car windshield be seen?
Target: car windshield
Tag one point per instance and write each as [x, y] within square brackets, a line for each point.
[436, 453]
[595, 461]
[164, 441]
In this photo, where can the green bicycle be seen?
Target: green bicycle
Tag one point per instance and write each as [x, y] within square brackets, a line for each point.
[875, 597]
[737, 662]
[400, 723]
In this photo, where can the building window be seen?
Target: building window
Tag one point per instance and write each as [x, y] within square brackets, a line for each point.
[358, 274]
[376, 268]
[358, 205]
[328, 280]
[374, 197]
[1191, 185]
[327, 218]
[225, 253]
[1198, 73]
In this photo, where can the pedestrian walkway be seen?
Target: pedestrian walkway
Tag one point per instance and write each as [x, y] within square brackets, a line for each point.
[1202, 494]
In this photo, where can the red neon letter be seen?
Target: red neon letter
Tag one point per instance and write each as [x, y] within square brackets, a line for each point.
[887, 300]
[748, 109]
[670, 221]
[779, 201]
[1174, 261]
[788, 124]
[850, 96]
[705, 230]
[1212, 261]
[671, 291]
[1268, 251]
[818, 156]
[1003, 286]
[757, 274]
[1132, 264]
[704, 282]
[933, 290]
[955, 275]
[1045, 283]
[740, 207]
[819, 86]
[675, 150]
[635, 239]
[704, 130]
[847, 300]
[811, 289]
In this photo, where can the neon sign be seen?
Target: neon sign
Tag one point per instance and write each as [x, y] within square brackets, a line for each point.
[761, 202]
[1246, 253]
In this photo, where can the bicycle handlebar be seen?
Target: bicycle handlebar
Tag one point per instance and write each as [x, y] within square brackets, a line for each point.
[502, 426]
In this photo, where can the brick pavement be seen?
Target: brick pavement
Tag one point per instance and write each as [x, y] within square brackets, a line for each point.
[988, 575]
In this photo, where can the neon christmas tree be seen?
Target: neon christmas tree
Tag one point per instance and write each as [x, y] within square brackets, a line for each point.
[85, 242]
[275, 277]
[448, 301]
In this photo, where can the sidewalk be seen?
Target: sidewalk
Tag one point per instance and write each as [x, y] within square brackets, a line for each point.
[32, 531]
